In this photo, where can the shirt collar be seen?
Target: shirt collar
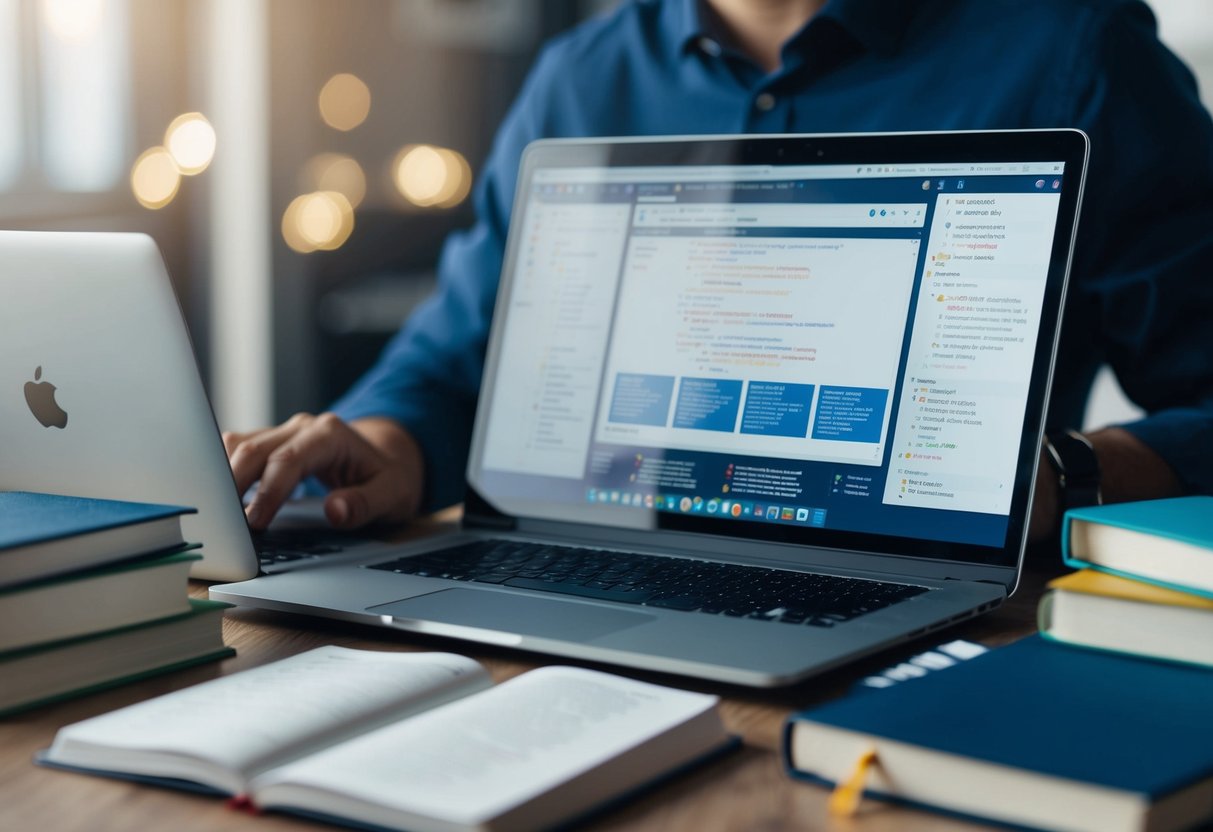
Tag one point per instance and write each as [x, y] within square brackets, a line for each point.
[878, 25]
[680, 24]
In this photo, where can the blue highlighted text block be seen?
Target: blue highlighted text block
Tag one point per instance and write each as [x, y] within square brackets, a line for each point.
[777, 409]
[707, 404]
[641, 399]
[850, 414]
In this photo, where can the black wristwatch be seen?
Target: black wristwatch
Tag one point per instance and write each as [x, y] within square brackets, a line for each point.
[1073, 459]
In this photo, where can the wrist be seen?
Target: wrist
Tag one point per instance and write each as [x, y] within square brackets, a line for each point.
[1077, 477]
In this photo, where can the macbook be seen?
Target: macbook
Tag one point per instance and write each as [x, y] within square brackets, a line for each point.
[100, 396]
[752, 406]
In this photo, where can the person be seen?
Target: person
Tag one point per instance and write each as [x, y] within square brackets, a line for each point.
[1140, 296]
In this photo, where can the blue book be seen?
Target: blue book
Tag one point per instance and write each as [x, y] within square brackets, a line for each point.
[49, 534]
[1034, 735]
[1165, 542]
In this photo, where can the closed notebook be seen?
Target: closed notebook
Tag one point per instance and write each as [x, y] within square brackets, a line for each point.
[1167, 542]
[1107, 612]
[51, 534]
[1035, 734]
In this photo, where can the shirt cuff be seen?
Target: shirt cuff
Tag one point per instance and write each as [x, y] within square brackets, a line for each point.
[1183, 437]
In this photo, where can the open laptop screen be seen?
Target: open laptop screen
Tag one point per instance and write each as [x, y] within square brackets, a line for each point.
[833, 347]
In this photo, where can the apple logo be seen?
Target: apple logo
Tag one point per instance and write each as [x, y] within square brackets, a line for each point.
[41, 400]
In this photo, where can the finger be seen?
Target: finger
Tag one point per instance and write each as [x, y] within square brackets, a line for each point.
[309, 449]
[378, 499]
[249, 457]
[232, 439]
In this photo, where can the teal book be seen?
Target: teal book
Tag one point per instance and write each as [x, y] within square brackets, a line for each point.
[52, 534]
[1164, 542]
[1034, 735]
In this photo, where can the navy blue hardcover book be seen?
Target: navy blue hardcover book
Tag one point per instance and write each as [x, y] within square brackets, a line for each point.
[1035, 734]
[51, 534]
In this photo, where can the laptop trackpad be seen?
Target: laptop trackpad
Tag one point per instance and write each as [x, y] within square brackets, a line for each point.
[564, 620]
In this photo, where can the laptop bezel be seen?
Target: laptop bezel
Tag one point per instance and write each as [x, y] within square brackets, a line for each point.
[799, 547]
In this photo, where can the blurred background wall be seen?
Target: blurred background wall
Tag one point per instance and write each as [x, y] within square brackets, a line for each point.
[299, 162]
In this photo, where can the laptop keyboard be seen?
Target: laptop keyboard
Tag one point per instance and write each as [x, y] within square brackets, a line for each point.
[671, 583]
[276, 546]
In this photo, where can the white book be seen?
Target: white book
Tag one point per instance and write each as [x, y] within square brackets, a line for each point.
[417, 741]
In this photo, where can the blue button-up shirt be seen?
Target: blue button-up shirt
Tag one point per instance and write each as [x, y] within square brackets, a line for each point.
[1141, 292]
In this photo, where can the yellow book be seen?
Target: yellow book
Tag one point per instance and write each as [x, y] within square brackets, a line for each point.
[1109, 612]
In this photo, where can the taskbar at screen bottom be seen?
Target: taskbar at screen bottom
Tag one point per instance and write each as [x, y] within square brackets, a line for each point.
[751, 510]
[838, 521]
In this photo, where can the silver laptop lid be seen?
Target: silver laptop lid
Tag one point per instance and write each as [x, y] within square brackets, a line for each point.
[94, 316]
[838, 342]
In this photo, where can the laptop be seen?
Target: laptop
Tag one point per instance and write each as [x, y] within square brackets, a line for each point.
[752, 406]
[101, 397]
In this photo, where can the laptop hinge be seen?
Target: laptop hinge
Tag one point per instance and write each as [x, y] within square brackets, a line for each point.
[479, 514]
[979, 581]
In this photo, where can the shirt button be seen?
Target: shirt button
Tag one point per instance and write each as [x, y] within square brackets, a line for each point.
[709, 47]
[765, 102]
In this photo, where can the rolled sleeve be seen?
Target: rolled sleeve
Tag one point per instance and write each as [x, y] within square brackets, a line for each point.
[428, 376]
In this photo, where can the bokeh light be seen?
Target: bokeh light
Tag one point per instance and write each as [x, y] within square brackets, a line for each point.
[190, 139]
[345, 101]
[429, 176]
[155, 178]
[318, 221]
[72, 21]
[335, 172]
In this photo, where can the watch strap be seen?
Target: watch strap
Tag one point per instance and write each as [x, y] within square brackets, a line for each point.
[1077, 467]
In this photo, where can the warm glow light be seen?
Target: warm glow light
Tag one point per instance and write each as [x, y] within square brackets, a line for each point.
[432, 176]
[345, 101]
[155, 178]
[73, 21]
[336, 172]
[191, 140]
[459, 178]
[319, 221]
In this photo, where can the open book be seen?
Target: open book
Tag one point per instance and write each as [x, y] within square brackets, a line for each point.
[418, 741]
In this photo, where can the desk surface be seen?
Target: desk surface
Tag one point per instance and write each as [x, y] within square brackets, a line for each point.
[747, 790]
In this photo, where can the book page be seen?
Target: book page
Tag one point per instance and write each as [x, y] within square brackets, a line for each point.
[270, 714]
[473, 759]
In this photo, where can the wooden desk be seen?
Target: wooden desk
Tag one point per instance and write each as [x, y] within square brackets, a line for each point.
[745, 791]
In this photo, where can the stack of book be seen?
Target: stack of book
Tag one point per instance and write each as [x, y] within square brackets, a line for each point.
[93, 594]
[1145, 580]
[1101, 722]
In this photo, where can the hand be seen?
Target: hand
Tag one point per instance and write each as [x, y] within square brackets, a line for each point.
[1129, 470]
[373, 466]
